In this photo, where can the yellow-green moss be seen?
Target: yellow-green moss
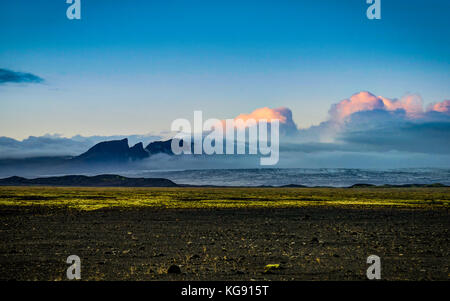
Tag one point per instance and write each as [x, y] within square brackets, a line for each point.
[96, 198]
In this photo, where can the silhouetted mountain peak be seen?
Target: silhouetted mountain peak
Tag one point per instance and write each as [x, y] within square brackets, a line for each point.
[156, 147]
[113, 146]
[113, 151]
[165, 147]
[138, 151]
[118, 151]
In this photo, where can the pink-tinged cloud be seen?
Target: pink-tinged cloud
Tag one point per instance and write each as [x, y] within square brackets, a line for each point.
[442, 107]
[366, 101]
[282, 114]
[411, 104]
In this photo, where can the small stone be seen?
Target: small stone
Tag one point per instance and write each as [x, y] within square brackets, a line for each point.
[174, 269]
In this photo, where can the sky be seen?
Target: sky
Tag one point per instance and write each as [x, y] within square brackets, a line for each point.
[132, 67]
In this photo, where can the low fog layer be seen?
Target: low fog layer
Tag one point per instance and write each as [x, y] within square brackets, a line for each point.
[56, 145]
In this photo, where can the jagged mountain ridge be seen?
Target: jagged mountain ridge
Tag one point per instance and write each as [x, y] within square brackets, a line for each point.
[120, 151]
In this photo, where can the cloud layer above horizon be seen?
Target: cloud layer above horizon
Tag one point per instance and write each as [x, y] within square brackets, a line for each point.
[365, 122]
[411, 105]
[362, 124]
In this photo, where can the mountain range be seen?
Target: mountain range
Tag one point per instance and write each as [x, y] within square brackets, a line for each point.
[120, 181]
[86, 181]
[104, 157]
[118, 151]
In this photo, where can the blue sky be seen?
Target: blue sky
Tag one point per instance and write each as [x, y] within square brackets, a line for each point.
[131, 67]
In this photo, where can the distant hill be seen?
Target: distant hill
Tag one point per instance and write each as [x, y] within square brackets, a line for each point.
[120, 181]
[94, 181]
[397, 186]
[112, 151]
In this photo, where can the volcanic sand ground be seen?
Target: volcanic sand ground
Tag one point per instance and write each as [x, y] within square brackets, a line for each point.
[309, 243]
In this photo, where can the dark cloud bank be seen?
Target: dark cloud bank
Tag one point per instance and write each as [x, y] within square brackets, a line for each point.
[9, 76]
